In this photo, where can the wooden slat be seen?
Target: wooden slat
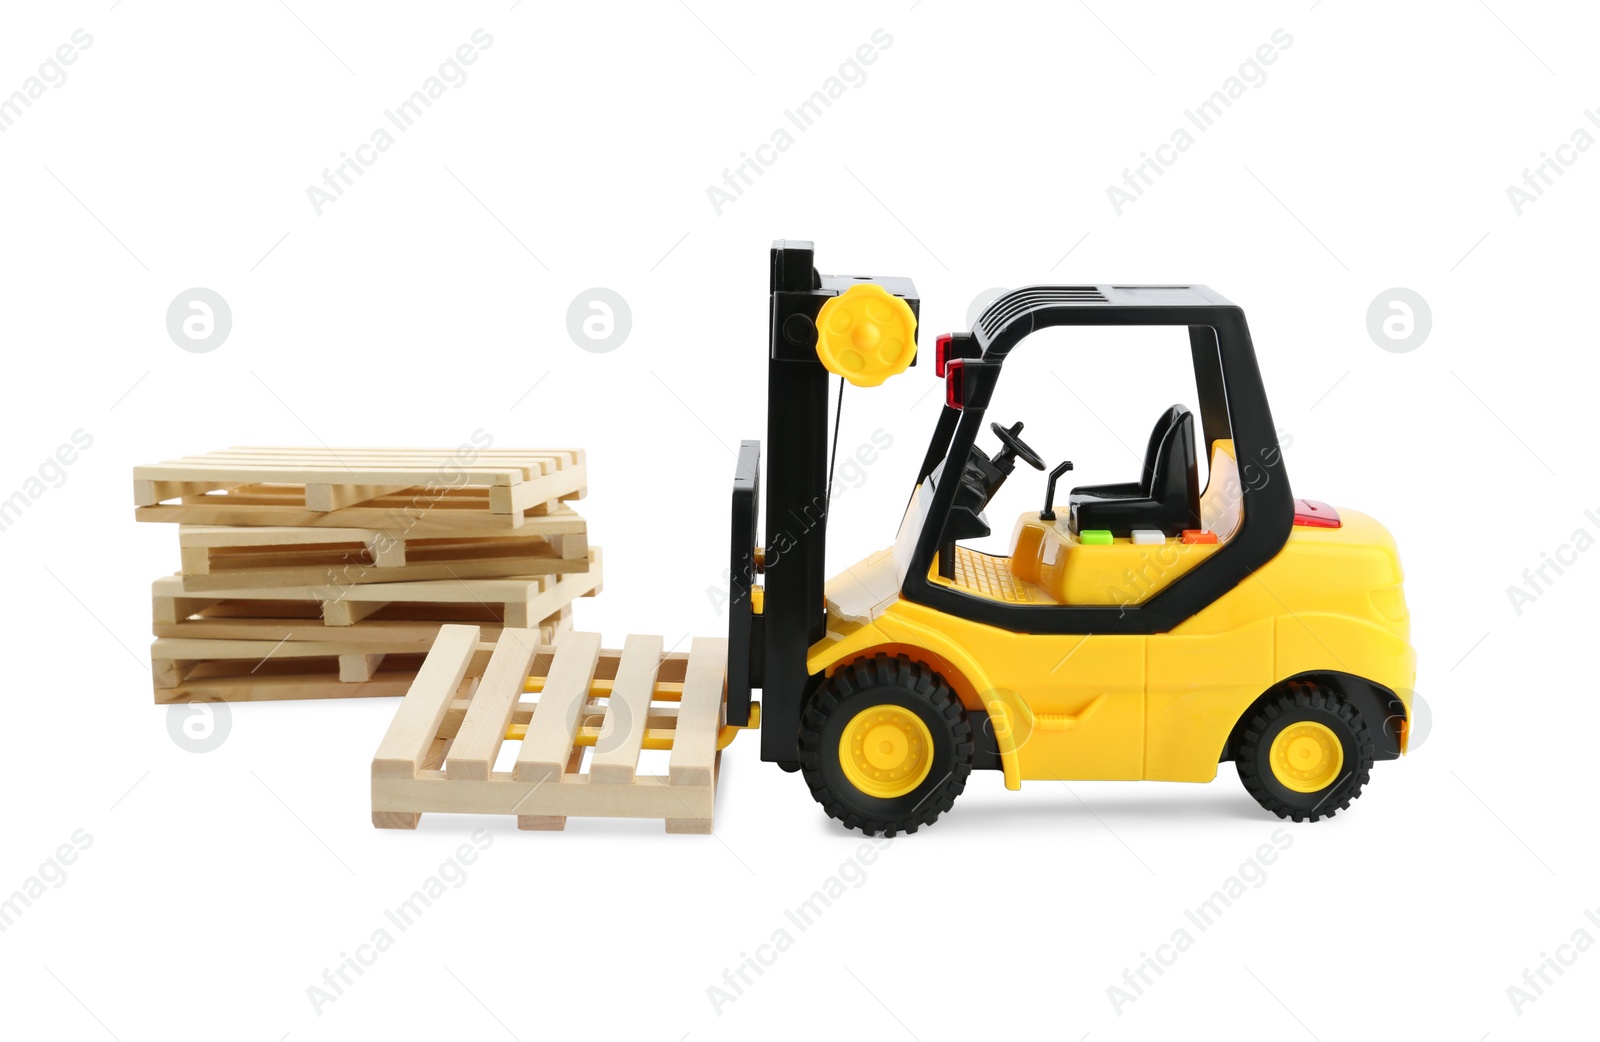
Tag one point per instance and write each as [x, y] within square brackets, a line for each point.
[699, 804]
[347, 612]
[616, 755]
[420, 591]
[148, 493]
[477, 743]
[568, 483]
[248, 671]
[371, 636]
[403, 451]
[172, 660]
[547, 459]
[199, 685]
[423, 591]
[332, 497]
[178, 649]
[694, 747]
[553, 596]
[547, 747]
[345, 476]
[200, 473]
[203, 570]
[449, 515]
[648, 797]
[405, 746]
[308, 527]
[357, 668]
[286, 540]
[532, 597]
[262, 536]
[571, 547]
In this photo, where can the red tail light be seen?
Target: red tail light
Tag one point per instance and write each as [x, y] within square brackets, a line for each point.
[1313, 513]
[941, 353]
[955, 383]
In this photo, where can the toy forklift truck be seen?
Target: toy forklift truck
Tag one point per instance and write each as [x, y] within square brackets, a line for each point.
[1271, 631]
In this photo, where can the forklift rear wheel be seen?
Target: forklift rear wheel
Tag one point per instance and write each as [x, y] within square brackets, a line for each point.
[885, 745]
[1305, 752]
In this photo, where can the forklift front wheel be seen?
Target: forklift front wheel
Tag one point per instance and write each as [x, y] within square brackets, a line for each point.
[885, 745]
[1305, 752]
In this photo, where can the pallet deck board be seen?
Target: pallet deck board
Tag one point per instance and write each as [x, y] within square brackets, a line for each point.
[700, 712]
[411, 732]
[483, 726]
[627, 715]
[549, 741]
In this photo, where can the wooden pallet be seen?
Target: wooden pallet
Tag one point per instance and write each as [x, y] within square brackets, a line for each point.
[218, 558]
[440, 751]
[231, 681]
[412, 490]
[454, 513]
[562, 528]
[397, 629]
[517, 602]
[208, 670]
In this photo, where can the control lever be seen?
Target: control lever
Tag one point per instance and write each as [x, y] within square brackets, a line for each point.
[1049, 513]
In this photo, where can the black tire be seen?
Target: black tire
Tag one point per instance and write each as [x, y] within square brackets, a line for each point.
[885, 680]
[1295, 703]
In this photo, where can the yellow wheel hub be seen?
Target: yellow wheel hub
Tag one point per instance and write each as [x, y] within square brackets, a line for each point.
[1306, 757]
[886, 751]
[866, 335]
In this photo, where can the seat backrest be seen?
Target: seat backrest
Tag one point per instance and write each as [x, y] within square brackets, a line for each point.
[1175, 476]
[1152, 452]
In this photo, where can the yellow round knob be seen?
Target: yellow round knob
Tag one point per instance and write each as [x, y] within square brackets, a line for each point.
[866, 335]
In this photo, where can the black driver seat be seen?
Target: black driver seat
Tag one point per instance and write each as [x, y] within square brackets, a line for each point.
[1167, 495]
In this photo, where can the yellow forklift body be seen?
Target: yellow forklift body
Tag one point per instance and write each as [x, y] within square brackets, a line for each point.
[1159, 706]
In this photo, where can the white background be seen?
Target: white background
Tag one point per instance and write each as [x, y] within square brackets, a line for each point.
[425, 303]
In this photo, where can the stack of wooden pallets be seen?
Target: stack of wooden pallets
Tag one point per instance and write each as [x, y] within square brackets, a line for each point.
[324, 573]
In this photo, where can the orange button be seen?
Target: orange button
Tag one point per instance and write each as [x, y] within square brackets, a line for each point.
[1198, 535]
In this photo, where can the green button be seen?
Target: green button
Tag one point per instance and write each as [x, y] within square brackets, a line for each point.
[1095, 537]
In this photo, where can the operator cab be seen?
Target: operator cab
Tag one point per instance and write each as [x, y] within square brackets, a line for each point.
[1104, 547]
[1132, 556]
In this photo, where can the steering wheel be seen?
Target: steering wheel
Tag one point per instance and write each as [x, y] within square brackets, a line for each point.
[1015, 445]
